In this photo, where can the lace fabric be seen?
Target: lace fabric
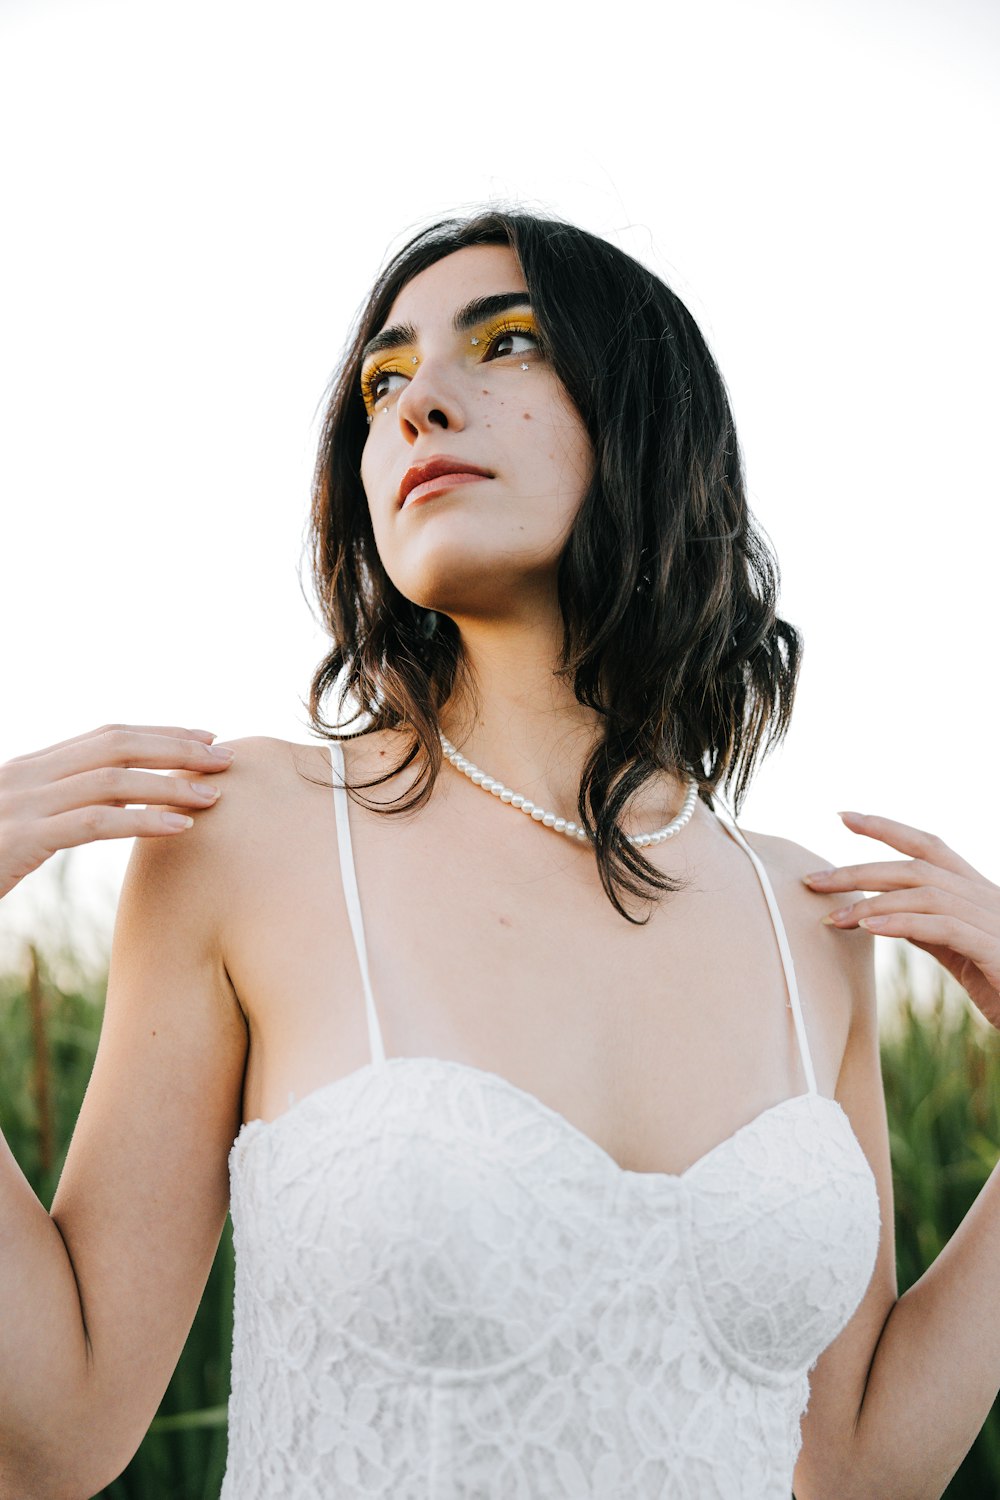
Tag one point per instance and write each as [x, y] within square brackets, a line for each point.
[445, 1291]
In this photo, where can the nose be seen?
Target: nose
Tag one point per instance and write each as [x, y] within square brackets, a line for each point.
[429, 400]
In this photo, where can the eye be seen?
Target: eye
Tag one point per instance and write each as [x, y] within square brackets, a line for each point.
[380, 383]
[512, 340]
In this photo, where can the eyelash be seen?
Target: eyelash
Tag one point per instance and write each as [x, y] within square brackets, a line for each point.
[504, 329]
[490, 335]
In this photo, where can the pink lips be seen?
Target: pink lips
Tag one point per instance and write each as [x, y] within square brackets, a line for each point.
[435, 475]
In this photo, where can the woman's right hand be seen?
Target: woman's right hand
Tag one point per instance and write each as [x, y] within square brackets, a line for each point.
[77, 791]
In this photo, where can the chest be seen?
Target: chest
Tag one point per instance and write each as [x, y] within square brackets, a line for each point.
[435, 1216]
[491, 942]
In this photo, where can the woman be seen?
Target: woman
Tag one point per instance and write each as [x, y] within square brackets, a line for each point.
[554, 1177]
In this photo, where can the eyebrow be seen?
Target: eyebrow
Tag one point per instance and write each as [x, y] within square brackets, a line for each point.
[476, 311]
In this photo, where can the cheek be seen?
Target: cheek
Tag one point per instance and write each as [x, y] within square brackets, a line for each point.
[372, 482]
[375, 468]
[565, 439]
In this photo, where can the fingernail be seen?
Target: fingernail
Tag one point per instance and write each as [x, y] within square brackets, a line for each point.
[819, 875]
[176, 820]
[833, 917]
[851, 815]
[205, 789]
[208, 733]
[873, 924]
[222, 751]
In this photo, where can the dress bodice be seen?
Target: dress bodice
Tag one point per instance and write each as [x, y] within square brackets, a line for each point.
[446, 1291]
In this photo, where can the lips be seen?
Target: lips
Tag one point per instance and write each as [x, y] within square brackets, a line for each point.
[437, 468]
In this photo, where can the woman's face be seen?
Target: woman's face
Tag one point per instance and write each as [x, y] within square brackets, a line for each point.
[457, 381]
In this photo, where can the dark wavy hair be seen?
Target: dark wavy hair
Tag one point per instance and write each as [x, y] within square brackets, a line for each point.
[668, 591]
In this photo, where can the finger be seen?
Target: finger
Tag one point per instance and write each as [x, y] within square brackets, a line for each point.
[908, 840]
[89, 824]
[119, 786]
[891, 875]
[204, 735]
[925, 899]
[120, 747]
[945, 932]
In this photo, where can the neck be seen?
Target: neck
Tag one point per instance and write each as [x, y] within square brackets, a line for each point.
[521, 722]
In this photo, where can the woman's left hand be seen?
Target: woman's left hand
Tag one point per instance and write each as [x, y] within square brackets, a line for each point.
[934, 899]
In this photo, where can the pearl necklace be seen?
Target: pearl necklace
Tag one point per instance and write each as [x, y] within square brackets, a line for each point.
[565, 825]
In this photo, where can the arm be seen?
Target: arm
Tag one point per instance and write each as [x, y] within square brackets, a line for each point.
[99, 1295]
[894, 1416]
[936, 1370]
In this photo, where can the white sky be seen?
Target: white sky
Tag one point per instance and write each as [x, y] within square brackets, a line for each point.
[196, 197]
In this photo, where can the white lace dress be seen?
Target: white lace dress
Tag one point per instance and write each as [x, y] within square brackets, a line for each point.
[445, 1291]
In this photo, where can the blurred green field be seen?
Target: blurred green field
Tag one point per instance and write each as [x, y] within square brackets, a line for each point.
[941, 1066]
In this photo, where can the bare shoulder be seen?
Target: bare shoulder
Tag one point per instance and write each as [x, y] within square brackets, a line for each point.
[785, 859]
[263, 768]
[203, 870]
[838, 963]
[787, 865]
[263, 758]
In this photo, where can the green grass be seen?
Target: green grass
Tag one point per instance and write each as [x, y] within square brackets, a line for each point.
[941, 1068]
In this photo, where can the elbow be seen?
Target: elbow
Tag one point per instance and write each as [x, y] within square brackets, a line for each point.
[69, 1470]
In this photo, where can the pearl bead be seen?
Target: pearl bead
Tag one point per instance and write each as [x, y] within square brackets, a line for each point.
[565, 825]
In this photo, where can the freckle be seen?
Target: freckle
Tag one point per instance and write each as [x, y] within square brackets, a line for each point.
[506, 922]
[526, 415]
[485, 391]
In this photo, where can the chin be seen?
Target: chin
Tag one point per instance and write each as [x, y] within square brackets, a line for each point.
[456, 579]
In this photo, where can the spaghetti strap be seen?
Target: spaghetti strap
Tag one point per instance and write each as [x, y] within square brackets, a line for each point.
[349, 880]
[786, 953]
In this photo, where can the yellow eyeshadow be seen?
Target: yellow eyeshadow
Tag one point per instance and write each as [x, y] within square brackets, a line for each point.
[399, 362]
[512, 322]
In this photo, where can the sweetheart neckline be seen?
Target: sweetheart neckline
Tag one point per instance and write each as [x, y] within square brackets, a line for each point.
[252, 1129]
